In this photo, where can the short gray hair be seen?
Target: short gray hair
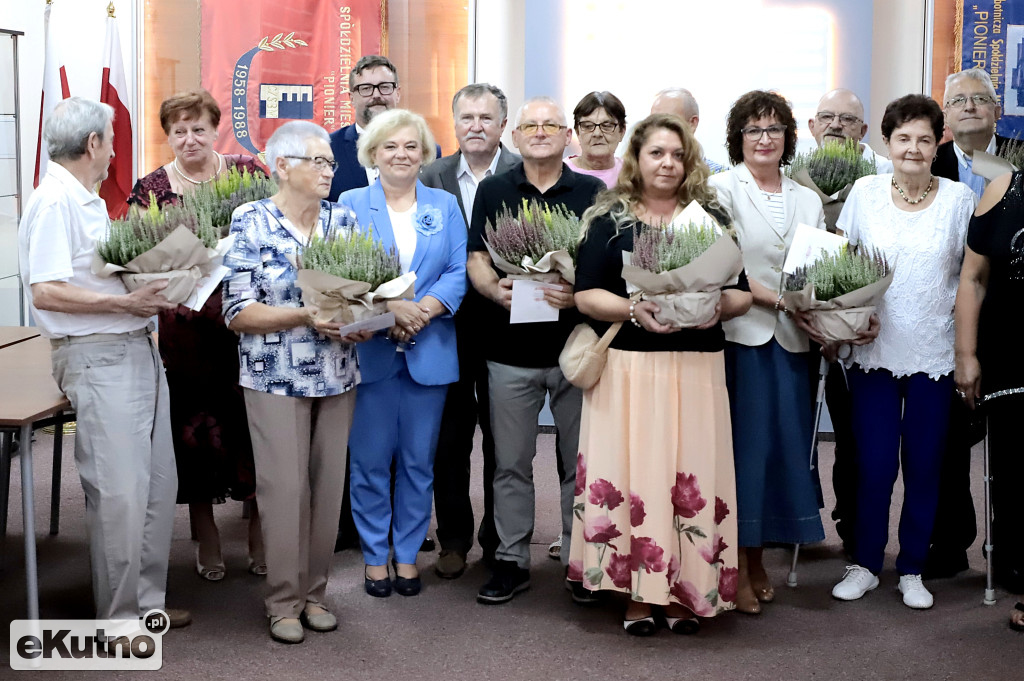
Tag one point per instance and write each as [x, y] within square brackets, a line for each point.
[477, 90]
[67, 129]
[540, 100]
[686, 97]
[290, 140]
[384, 125]
[978, 74]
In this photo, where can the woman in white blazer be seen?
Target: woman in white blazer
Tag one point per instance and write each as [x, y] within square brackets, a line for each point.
[767, 363]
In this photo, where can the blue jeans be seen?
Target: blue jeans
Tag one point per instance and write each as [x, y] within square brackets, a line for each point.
[897, 420]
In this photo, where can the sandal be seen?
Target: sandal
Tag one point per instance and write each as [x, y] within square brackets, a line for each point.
[214, 573]
[645, 626]
[257, 566]
[1017, 626]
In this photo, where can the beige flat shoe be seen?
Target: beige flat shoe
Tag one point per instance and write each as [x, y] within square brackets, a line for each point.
[286, 630]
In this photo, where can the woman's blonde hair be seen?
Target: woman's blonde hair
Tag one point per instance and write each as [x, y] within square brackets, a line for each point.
[384, 125]
[621, 201]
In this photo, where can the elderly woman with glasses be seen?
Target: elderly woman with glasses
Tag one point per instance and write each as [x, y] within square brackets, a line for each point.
[405, 373]
[766, 354]
[298, 377]
[600, 123]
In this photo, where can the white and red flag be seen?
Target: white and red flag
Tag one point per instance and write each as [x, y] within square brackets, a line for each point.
[114, 91]
[55, 88]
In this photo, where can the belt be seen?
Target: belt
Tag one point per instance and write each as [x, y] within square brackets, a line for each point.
[102, 337]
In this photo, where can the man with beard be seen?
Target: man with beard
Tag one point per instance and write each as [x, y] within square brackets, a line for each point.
[373, 87]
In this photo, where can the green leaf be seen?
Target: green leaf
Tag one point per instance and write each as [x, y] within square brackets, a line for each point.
[594, 576]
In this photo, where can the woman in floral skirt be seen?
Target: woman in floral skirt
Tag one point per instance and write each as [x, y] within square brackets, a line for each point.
[655, 485]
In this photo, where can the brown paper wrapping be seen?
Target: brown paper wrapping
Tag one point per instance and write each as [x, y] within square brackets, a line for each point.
[553, 262]
[844, 318]
[181, 258]
[833, 205]
[347, 301]
[688, 295]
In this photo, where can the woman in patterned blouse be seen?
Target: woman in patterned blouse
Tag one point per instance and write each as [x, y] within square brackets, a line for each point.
[298, 375]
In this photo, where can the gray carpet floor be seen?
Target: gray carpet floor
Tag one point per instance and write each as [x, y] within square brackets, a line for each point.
[445, 634]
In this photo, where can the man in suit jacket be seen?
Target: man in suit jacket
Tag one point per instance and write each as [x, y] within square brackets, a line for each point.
[972, 110]
[480, 111]
[373, 87]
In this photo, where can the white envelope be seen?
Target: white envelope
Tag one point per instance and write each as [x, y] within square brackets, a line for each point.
[382, 321]
[808, 243]
[528, 304]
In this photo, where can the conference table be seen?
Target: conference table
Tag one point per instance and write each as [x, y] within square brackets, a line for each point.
[29, 399]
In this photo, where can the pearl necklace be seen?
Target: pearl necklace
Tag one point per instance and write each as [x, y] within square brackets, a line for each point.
[220, 167]
[914, 202]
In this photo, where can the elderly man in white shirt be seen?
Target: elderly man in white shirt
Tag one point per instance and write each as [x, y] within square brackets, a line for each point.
[480, 111]
[106, 362]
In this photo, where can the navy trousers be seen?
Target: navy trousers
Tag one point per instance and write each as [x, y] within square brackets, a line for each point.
[897, 421]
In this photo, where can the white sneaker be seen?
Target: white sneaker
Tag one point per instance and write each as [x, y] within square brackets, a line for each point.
[555, 549]
[915, 595]
[856, 582]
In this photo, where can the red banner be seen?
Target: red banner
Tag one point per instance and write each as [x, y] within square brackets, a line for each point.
[267, 61]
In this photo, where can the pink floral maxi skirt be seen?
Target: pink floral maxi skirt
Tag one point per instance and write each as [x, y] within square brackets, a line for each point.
[654, 514]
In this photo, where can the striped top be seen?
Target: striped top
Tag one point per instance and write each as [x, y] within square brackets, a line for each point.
[776, 208]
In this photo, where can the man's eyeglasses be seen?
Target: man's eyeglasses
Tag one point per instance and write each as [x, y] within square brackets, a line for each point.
[960, 101]
[366, 89]
[589, 127]
[846, 120]
[754, 133]
[319, 162]
[548, 128]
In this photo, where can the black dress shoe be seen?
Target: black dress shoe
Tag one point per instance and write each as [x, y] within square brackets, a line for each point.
[379, 588]
[508, 580]
[406, 586]
[944, 565]
[428, 545]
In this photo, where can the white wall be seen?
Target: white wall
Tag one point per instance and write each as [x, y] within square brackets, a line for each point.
[898, 59]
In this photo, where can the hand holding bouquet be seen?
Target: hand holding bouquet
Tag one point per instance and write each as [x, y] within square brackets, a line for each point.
[536, 242]
[159, 243]
[349, 276]
[683, 267]
[840, 291]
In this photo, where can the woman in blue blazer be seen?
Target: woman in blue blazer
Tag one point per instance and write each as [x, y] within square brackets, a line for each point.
[405, 374]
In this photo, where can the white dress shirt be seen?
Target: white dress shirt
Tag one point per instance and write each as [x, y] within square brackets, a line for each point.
[468, 182]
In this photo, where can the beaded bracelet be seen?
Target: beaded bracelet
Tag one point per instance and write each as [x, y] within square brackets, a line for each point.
[632, 315]
[778, 304]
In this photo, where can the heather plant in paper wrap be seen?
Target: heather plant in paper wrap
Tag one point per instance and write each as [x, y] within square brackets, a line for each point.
[349, 275]
[534, 242]
[159, 243]
[682, 267]
[841, 291]
[830, 171]
[213, 202]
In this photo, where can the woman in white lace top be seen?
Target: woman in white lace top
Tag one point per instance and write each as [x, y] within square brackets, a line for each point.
[902, 384]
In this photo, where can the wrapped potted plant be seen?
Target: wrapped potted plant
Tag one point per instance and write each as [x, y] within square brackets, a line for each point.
[534, 242]
[840, 290]
[350, 276]
[830, 171]
[683, 267]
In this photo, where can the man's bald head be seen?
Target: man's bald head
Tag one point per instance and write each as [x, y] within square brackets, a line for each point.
[840, 116]
[678, 102]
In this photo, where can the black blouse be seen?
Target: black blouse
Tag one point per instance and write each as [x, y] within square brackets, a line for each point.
[999, 236]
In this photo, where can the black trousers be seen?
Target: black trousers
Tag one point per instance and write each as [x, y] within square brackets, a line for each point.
[844, 472]
[1006, 454]
[467, 405]
[956, 525]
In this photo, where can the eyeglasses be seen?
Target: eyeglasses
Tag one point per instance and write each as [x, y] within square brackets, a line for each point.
[548, 128]
[846, 120]
[960, 101]
[589, 127]
[319, 162]
[366, 89]
[754, 133]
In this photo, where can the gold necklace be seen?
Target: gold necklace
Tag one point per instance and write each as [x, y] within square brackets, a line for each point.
[220, 167]
[913, 202]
